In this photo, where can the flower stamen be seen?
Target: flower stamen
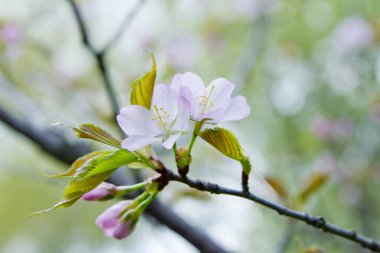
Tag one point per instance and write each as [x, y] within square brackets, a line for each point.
[161, 119]
[206, 102]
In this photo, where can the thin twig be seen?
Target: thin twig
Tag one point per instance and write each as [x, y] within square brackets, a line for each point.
[317, 222]
[252, 50]
[123, 27]
[99, 58]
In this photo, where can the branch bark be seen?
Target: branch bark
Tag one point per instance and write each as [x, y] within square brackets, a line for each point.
[314, 221]
[156, 209]
[55, 145]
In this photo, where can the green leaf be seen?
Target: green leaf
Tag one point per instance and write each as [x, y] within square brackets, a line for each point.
[78, 166]
[89, 171]
[224, 141]
[113, 160]
[142, 88]
[76, 189]
[90, 131]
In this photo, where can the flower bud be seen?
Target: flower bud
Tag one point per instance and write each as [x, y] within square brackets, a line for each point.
[183, 160]
[101, 192]
[110, 221]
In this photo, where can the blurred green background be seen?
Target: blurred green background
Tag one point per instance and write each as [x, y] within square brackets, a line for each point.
[310, 71]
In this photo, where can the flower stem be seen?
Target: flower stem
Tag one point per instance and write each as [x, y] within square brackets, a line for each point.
[197, 128]
[122, 190]
[175, 150]
[143, 205]
[192, 141]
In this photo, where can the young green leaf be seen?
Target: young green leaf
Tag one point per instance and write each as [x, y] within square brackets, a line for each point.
[142, 88]
[90, 131]
[77, 167]
[76, 189]
[89, 171]
[109, 162]
[224, 141]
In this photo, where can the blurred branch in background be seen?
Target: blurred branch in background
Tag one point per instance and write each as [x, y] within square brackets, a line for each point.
[99, 55]
[253, 49]
[286, 237]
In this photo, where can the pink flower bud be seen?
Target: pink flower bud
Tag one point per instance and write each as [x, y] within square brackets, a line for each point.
[101, 192]
[111, 223]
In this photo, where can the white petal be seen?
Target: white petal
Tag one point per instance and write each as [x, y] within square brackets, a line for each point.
[165, 97]
[192, 86]
[136, 120]
[176, 82]
[216, 116]
[194, 83]
[237, 109]
[221, 91]
[136, 142]
[183, 116]
[195, 108]
[168, 144]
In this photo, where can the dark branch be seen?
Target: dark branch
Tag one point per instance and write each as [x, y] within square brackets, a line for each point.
[81, 24]
[55, 145]
[156, 209]
[318, 222]
[99, 58]
[123, 27]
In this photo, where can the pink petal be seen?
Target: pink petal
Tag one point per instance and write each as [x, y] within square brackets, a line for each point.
[237, 109]
[215, 116]
[135, 142]
[177, 82]
[183, 116]
[137, 120]
[221, 91]
[168, 144]
[110, 217]
[194, 83]
[190, 86]
[122, 230]
[100, 192]
[165, 97]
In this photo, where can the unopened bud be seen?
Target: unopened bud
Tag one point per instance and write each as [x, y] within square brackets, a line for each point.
[103, 191]
[183, 160]
[112, 224]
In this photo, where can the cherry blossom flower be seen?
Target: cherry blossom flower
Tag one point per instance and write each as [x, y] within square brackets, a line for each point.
[167, 118]
[213, 104]
[111, 223]
[101, 192]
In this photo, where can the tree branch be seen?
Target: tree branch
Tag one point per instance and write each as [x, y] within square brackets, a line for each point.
[55, 145]
[317, 222]
[99, 58]
[156, 209]
[123, 27]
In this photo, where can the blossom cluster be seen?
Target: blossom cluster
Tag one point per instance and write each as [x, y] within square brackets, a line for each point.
[174, 105]
[172, 108]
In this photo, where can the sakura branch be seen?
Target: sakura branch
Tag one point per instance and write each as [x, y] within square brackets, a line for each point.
[314, 221]
[55, 144]
[161, 212]
[161, 114]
